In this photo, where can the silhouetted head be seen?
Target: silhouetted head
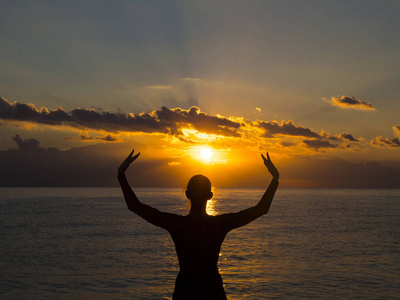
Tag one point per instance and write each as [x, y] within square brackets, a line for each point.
[199, 188]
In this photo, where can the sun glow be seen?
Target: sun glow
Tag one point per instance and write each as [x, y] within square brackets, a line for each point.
[206, 153]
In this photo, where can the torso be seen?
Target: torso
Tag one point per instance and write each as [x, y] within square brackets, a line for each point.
[198, 241]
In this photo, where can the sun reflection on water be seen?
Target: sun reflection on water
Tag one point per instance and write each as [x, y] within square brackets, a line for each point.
[211, 208]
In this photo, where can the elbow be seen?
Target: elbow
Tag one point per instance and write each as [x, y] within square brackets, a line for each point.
[263, 209]
[134, 207]
[130, 207]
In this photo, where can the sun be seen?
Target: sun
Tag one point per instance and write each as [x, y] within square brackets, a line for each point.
[206, 153]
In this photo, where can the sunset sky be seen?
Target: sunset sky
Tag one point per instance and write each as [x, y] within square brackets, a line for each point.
[314, 83]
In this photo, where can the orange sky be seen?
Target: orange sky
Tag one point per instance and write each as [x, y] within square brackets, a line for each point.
[315, 85]
[171, 141]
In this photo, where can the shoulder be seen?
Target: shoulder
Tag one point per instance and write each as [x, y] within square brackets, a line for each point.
[225, 216]
[173, 220]
[173, 217]
[224, 219]
[230, 221]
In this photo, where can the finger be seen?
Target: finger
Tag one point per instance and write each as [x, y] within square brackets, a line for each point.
[263, 157]
[268, 156]
[130, 155]
[136, 156]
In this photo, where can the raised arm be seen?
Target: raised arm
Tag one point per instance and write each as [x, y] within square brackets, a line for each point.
[244, 217]
[150, 214]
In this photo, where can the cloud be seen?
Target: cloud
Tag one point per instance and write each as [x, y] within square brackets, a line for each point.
[168, 121]
[286, 144]
[87, 166]
[344, 136]
[317, 172]
[29, 145]
[107, 138]
[317, 144]
[199, 121]
[84, 136]
[386, 142]
[350, 102]
[159, 87]
[396, 129]
[185, 125]
[28, 112]
[90, 166]
[285, 128]
[191, 79]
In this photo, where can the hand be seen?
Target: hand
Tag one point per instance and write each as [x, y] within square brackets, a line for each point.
[125, 164]
[270, 166]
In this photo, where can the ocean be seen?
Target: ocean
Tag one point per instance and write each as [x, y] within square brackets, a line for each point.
[83, 243]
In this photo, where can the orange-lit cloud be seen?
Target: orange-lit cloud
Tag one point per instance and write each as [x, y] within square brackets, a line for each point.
[168, 121]
[285, 128]
[318, 144]
[95, 165]
[344, 136]
[180, 126]
[388, 142]
[350, 102]
[396, 129]
[159, 87]
[84, 136]
[381, 141]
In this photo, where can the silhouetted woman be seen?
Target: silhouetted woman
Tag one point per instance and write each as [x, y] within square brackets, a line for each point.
[198, 236]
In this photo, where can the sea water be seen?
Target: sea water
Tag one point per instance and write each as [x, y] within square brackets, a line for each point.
[83, 243]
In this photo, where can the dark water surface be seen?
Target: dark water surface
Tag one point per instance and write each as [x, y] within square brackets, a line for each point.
[82, 243]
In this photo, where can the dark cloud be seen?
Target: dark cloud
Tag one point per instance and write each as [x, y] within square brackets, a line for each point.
[347, 137]
[27, 145]
[83, 137]
[344, 136]
[285, 128]
[329, 136]
[351, 102]
[169, 121]
[88, 166]
[317, 144]
[107, 138]
[86, 137]
[199, 121]
[286, 144]
[30, 145]
[333, 173]
[28, 112]
[96, 165]
[396, 129]
[386, 142]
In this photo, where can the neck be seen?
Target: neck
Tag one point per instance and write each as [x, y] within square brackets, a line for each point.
[198, 208]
